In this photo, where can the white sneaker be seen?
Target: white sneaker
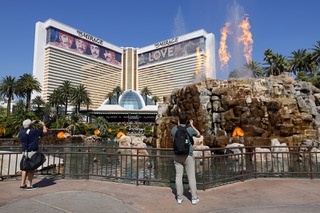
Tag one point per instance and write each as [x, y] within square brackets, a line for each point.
[195, 202]
[179, 200]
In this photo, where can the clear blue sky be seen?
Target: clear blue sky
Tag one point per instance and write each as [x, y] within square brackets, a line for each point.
[281, 25]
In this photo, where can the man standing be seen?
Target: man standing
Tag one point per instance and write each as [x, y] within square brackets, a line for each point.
[186, 161]
[31, 137]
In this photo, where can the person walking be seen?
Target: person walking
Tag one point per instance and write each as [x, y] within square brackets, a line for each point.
[30, 136]
[186, 161]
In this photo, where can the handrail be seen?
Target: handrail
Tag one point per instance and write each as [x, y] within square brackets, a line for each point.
[155, 166]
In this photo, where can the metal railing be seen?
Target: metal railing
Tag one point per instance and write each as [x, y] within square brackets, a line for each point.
[151, 166]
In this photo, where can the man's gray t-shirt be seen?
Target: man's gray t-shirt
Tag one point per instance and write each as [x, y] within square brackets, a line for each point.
[192, 132]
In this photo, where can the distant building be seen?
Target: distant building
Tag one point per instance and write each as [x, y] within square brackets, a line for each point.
[64, 53]
[4, 104]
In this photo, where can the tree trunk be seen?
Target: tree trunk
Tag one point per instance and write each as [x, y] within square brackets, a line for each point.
[9, 107]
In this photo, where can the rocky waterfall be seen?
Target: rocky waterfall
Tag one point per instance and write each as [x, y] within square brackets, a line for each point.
[265, 108]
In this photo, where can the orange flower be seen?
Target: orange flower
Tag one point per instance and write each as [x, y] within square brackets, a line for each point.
[109, 130]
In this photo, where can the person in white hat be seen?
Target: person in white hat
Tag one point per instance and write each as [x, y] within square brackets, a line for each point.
[31, 137]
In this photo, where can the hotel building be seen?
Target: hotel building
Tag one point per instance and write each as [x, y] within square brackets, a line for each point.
[64, 53]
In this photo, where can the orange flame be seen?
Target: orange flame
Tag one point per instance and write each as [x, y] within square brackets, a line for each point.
[246, 38]
[199, 60]
[61, 135]
[120, 134]
[96, 132]
[224, 55]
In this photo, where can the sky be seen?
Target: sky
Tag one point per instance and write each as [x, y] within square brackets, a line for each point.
[280, 25]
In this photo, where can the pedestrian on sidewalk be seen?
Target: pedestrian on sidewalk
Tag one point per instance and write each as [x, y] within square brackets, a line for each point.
[186, 161]
[30, 136]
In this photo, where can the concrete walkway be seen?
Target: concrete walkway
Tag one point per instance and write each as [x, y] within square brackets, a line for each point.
[64, 195]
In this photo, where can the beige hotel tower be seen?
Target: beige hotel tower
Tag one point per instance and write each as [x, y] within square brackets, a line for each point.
[64, 53]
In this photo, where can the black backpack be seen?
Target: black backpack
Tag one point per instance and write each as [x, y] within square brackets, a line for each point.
[181, 141]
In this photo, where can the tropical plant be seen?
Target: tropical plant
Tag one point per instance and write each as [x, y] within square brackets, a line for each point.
[118, 91]
[7, 90]
[110, 96]
[234, 74]
[79, 96]
[66, 90]
[315, 80]
[80, 128]
[62, 122]
[155, 99]
[87, 102]
[280, 64]
[316, 52]
[13, 124]
[299, 61]
[20, 106]
[38, 101]
[103, 126]
[74, 117]
[148, 130]
[146, 92]
[26, 84]
[256, 68]
[269, 57]
[55, 100]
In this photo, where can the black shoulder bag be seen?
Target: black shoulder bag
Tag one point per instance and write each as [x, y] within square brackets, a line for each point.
[33, 162]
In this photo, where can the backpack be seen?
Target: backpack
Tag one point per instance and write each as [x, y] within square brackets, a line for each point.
[181, 141]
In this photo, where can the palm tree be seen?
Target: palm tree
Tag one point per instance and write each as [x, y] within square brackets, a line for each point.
[87, 102]
[118, 91]
[7, 89]
[146, 92]
[155, 99]
[26, 84]
[38, 101]
[281, 64]
[256, 69]
[66, 90]
[234, 74]
[79, 95]
[269, 57]
[299, 61]
[110, 96]
[316, 52]
[20, 106]
[55, 100]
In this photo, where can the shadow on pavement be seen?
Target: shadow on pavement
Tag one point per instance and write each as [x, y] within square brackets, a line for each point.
[45, 182]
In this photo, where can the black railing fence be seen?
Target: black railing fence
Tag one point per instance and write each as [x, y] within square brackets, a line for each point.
[151, 166]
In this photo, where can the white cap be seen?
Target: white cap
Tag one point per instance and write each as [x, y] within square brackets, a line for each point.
[26, 123]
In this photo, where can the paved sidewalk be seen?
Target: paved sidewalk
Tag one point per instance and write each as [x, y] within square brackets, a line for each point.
[64, 195]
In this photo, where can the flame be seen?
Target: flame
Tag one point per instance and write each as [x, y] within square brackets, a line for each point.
[246, 38]
[199, 60]
[61, 135]
[2, 131]
[97, 132]
[120, 134]
[224, 55]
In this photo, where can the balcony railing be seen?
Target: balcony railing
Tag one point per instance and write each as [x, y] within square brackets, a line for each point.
[151, 166]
